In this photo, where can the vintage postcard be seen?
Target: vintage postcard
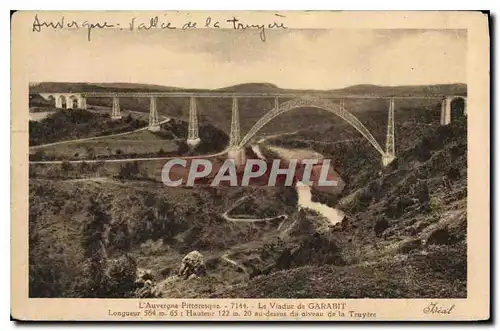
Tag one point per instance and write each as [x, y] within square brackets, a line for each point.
[243, 166]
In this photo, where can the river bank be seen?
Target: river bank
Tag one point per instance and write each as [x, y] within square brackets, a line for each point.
[304, 191]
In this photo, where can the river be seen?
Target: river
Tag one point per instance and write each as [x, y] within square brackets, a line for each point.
[334, 215]
[304, 191]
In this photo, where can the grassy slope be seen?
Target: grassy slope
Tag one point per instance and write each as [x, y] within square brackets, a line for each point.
[78, 123]
[414, 276]
[75, 124]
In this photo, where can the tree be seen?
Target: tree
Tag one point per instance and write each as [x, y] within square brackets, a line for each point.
[423, 191]
[121, 274]
[94, 250]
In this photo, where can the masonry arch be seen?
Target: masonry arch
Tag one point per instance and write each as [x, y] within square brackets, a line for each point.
[72, 101]
[458, 107]
[63, 101]
[315, 103]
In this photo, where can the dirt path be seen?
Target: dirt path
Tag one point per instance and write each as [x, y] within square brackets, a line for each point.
[131, 159]
[249, 220]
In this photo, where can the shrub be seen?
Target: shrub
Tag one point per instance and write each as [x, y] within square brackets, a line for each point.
[38, 155]
[152, 247]
[129, 170]
[89, 151]
[380, 226]
[121, 275]
[434, 203]
[423, 191]
[66, 166]
[84, 166]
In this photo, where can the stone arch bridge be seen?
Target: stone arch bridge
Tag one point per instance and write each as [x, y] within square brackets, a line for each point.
[328, 102]
[66, 100]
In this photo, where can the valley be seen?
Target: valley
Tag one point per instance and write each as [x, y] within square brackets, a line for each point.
[399, 231]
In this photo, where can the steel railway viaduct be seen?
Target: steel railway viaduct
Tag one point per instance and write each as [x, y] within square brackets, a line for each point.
[328, 102]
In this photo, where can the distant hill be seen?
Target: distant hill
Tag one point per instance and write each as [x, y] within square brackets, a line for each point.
[439, 89]
[364, 89]
[63, 87]
[132, 86]
[98, 87]
[251, 87]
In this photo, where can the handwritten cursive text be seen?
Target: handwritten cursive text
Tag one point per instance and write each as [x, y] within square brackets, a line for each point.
[155, 23]
[237, 25]
[62, 24]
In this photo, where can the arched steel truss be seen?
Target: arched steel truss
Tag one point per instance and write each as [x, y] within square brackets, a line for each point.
[315, 103]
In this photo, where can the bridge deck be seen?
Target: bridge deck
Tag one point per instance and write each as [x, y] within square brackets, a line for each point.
[248, 95]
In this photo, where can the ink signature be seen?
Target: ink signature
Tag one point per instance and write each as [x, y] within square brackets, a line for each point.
[435, 308]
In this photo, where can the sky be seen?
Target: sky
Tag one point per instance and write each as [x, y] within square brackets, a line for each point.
[293, 58]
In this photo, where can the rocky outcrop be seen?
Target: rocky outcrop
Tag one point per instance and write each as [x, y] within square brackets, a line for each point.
[192, 264]
[146, 291]
[145, 284]
[143, 275]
